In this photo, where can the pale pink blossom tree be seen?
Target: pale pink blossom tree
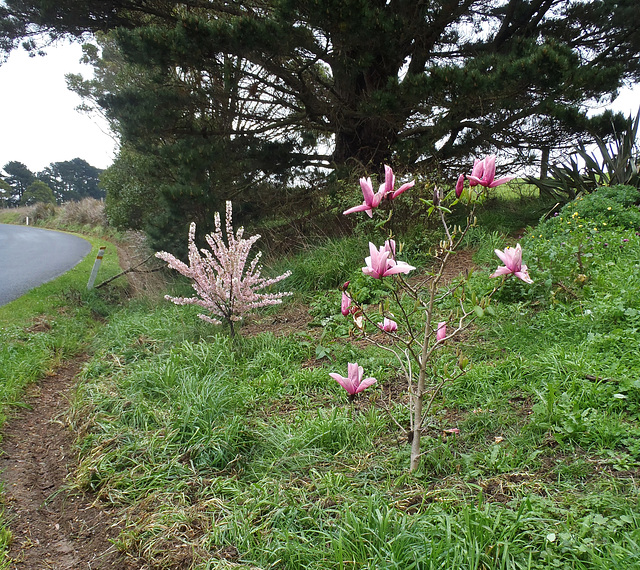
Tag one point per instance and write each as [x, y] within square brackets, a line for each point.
[225, 286]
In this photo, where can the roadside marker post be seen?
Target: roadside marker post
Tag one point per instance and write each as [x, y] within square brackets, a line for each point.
[96, 266]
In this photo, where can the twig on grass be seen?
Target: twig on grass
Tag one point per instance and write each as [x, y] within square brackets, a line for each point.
[599, 378]
[132, 269]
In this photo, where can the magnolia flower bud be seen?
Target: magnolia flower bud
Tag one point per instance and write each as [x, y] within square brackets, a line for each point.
[346, 304]
[436, 196]
[460, 186]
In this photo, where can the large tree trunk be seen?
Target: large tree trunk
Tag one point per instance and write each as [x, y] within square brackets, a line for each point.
[365, 144]
[365, 129]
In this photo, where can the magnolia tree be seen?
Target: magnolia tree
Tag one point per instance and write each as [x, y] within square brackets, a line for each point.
[410, 314]
[224, 285]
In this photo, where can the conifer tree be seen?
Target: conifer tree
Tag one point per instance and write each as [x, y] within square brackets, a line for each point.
[375, 79]
[238, 92]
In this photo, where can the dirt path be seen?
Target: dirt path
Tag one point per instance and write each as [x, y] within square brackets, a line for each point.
[52, 528]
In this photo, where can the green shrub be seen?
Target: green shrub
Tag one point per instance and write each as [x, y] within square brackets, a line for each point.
[612, 206]
[580, 246]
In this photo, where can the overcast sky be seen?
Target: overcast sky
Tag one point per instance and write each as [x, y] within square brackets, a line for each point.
[38, 121]
[39, 124]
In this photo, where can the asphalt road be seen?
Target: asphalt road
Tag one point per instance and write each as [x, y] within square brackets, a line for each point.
[32, 256]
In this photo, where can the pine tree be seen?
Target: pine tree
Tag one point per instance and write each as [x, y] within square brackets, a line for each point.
[416, 82]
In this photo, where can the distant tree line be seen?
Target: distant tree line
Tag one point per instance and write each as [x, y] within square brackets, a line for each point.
[60, 182]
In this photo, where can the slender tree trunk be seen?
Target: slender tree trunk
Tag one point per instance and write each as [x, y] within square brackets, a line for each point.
[544, 162]
[417, 397]
[418, 400]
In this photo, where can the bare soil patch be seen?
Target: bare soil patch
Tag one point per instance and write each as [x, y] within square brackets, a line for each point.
[290, 319]
[52, 527]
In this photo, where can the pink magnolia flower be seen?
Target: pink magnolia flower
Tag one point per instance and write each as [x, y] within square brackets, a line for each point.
[441, 333]
[353, 383]
[388, 325]
[372, 200]
[390, 182]
[381, 263]
[390, 246]
[484, 172]
[512, 259]
[346, 304]
[476, 172]
[460, 186]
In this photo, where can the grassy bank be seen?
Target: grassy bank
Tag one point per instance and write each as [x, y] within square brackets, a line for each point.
[48, 325]
[246, 454]
[51, 323]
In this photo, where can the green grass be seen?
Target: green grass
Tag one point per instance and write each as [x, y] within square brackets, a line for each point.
[49, 324]
[242, 450]
[244, 453]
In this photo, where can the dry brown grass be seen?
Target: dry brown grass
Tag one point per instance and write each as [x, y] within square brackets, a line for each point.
[145, 279]
[85, 212]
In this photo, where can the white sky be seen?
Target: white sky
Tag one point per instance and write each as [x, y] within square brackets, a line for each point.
[38, 121]
[39, 124]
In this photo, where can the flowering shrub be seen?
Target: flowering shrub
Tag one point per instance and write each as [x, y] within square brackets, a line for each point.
[417, 334]
[224, 285]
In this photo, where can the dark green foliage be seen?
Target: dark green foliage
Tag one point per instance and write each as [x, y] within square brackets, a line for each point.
[234, 100]
[18, 177]
[5, 194]
[131, 197]
[69, 180]
[37, 192]
[73, 180]
[347, 79]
